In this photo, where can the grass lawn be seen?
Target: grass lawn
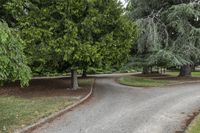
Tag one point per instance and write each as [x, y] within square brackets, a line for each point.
[17, 112]
[195, 128]
[27, 107]
[194, 74]
[142, 82]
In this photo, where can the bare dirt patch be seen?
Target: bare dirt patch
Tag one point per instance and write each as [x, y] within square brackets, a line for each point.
[151, 75]
[43, 87]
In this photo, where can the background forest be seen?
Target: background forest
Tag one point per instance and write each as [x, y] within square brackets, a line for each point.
[41, 37]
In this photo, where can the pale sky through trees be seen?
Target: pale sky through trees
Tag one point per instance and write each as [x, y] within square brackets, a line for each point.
[123, 1]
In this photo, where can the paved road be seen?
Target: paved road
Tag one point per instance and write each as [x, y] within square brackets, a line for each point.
[118, 109]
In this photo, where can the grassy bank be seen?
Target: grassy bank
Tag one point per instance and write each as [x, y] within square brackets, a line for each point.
[175, 73]
[17, 112]
[195, 128]
[142, 82]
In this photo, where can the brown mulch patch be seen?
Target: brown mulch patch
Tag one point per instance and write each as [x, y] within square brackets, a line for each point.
[179, 78]
[42, 88]
[151, 75]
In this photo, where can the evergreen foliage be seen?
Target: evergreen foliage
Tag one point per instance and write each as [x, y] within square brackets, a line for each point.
[82, 33]
[169, 32]
[69, 35]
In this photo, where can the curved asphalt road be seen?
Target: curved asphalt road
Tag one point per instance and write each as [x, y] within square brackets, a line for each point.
[119, 109]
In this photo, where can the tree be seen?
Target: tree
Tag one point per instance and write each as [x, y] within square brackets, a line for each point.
[4, 15]
[34, 24]
[73, 34]
[184, 30]
[13, 62]
[173, 31]
[103, 35]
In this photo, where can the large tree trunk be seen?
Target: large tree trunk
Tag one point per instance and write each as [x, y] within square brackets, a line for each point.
[74, 79]
[185, 71]
[84, 74]
[193, 68]
[145, 70]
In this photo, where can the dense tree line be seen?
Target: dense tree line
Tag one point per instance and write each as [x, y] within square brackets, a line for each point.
[66, 36]
[169, 33]
[62, 35]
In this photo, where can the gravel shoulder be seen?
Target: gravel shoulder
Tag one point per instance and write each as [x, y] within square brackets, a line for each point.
[116, 108]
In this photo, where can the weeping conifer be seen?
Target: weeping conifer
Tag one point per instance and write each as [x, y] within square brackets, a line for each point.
[169, 32]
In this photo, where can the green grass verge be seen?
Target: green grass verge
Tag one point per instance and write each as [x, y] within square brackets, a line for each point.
[194, 74]
[17, 112]
[195, 128]
[173, 74]
[142, 82]
[85, 82]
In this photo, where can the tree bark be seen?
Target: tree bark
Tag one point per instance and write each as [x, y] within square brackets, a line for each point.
[74, 80]
[84, 74]
[158, 70]
[193, 68]
[185, 71]
[145, 70]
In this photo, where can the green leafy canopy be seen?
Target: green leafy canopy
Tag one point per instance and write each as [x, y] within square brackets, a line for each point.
[13, 65]
[76, 34]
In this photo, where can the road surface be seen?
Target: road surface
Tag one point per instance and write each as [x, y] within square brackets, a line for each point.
[116, 108]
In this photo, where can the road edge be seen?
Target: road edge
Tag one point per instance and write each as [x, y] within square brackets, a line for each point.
[53, 116]
[191, 121]
[184, 82]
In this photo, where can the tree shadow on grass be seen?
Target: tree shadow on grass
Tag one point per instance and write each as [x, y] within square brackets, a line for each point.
[42, 88]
